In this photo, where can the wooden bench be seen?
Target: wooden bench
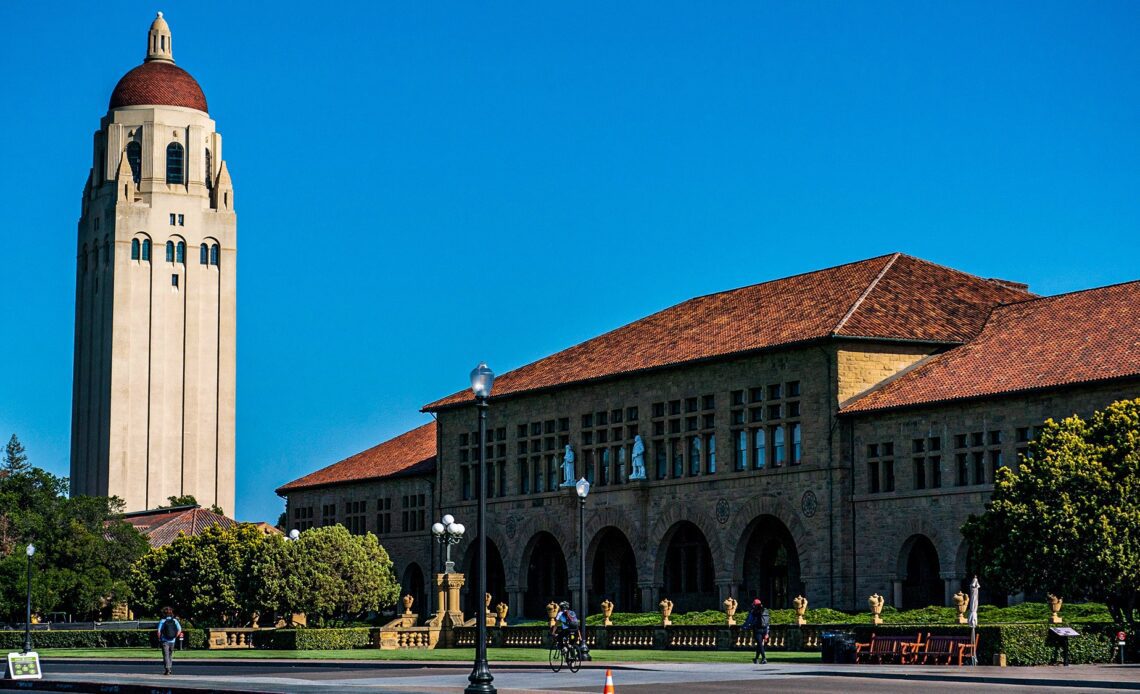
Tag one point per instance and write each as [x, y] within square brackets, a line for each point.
[941, 650]
[888, 649]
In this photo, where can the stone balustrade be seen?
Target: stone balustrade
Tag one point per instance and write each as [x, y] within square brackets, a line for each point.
[229, 638]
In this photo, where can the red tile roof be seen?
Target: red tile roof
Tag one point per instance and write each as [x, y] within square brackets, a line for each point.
[412, 453]
[158, 83]
[893, 296]
[163, 526]
[1083, 337]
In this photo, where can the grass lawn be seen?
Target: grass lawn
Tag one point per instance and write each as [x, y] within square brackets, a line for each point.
[528, 655]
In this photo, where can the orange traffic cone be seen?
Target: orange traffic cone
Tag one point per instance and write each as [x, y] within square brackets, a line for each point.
[609, 683]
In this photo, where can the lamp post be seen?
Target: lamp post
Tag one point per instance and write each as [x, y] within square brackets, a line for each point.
[31, 551]
[447, 533]
[480, 679]
[294, 534]
[582, 488]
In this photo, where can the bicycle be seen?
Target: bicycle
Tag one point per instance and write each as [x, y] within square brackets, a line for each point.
[566, 653]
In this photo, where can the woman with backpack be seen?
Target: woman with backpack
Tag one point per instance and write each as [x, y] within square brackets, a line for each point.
[169, 631]
[759, 621]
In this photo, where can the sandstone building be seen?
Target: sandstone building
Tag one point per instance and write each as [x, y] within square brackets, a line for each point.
[824, 434]
[154, 374]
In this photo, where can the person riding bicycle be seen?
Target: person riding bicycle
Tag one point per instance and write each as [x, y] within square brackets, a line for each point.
[566, 626]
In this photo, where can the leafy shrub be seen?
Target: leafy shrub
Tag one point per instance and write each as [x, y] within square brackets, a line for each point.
[126, 638]
[315, 639]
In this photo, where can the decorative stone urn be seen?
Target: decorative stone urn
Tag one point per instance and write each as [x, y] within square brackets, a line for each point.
[666, 610]
[607, 610]
[730, 606]
[1055, 606]
[962, 602]
[408, 600]
[501, 613]
[800, 604]
[487, 610]
[551, 611]
[876, 604]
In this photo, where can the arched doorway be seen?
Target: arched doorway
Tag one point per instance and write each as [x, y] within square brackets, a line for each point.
[613, 572]
[545, 575]
[412, 584]
[771, 564]
[688, 571]
[496, 578]
[921, 585]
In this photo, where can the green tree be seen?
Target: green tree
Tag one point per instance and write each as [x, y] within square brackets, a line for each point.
[1066, 520]
[83, 548]
[334, 574]
[15, 458]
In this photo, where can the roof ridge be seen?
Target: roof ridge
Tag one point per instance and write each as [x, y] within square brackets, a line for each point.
[867, 291]
[991, 280]
[1063, 295]
[780, 279]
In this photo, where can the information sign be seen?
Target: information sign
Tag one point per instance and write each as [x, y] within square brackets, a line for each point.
[24, 666]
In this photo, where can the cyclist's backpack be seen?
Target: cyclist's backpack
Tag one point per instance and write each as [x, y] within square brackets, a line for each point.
[169, 629]
[571, 619]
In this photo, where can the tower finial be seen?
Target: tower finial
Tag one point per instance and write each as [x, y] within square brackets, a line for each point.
[159, 44]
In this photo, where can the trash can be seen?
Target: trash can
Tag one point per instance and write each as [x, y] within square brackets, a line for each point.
[827, 646]
[845, 649]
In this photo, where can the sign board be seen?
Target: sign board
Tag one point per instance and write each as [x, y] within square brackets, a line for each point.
[1064, 631]
[24, 666]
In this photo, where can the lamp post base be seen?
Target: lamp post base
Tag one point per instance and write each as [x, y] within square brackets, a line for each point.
[480, 679]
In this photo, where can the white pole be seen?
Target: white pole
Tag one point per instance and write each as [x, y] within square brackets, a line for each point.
[974, 585]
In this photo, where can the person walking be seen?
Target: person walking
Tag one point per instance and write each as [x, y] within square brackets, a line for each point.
[169, 631]
[759, 621]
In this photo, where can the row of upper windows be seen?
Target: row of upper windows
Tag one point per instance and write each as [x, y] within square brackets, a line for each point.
[175, 163]
[208, 254]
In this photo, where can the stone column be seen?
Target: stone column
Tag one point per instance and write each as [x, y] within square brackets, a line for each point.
[950, 584]
[724, 588]
[650, 596]
[441, 595]
[898, 594]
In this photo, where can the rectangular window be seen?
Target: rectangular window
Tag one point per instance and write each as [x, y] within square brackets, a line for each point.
[536, 471]
[658, 409]
[589, 465]
[181, 220]
[615, 416]
[524, 477]
[777, 446]
[774, 392]
[737, 397]
[690, 424]
[631, 414]
[604, 468]
[797, 444]
[759, 449]
[674, 407]
[708, 421]
[977, 439]
[563, 424]
[690, 404]
[935, 463]
[551, 474]
[793, 389]
[755, 395]
[601, 419]
[873, 477]
[694, 456]
[740, 459]
[173, 219]
[963, 470]
[660, 462]
[979, 467]
[995, 463]
[710, 454]
[995, 438]
[174, 281]
[888, 475]
[920, 473]
[620, 472]
[708, 402]
[678, 459]
[737, 417]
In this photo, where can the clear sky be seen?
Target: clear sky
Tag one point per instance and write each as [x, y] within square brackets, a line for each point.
[422, 185]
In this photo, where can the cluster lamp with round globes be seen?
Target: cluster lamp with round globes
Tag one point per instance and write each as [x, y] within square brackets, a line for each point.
[480, 680]
[447, 533]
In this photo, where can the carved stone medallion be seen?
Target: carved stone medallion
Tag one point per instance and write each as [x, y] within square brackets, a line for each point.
[722, 511]
[809, 504]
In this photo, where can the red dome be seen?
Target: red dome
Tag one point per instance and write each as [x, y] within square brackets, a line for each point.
[158, 83]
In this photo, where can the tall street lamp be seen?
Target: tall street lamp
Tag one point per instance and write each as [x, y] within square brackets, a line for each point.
[31, 551]
[480, 679]
[447, 533]
[583, 490]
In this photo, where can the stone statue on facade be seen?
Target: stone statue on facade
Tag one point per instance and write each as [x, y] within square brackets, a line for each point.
[638, 459]
[568, 467]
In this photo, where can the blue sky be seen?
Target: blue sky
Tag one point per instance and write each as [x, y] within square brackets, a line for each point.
[423, 185]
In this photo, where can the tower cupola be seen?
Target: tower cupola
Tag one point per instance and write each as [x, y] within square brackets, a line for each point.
[159, 44]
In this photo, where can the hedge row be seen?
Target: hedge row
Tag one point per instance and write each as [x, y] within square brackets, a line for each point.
[315, 639]
[1023, 644]
[132, 638]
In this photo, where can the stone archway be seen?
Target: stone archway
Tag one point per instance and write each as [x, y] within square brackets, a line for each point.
[770, 563]
[922, 585]
[613, 571]
[412, 583]
[496, 577]
[688, 576]
[546, 579]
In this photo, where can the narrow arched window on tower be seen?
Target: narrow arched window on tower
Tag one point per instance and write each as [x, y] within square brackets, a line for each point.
[146, 250]
[134, 249]
[134, 158]
[83, 258]
[175, 160]
[203, 255]
[180, 256]
[209, 170]
[95, 255]
[170, 251]
[106, 251]
[214, 254]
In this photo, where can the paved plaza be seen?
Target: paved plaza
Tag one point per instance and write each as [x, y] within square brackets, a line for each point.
[309, 676]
